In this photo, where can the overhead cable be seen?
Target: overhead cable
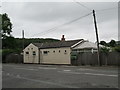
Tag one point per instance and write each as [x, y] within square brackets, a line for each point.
[107, 9]
[55, 28]
[82, 5]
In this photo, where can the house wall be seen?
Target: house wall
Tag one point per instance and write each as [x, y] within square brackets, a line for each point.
[30, 58]
[53, 56]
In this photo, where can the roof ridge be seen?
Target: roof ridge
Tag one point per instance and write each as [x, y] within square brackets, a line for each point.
[57, 44]
[61, 41]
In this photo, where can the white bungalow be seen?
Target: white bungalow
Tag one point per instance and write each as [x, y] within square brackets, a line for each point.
[55, 52]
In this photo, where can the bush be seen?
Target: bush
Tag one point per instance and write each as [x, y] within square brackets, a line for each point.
[74, 57]
[117, 48]
[105, 50]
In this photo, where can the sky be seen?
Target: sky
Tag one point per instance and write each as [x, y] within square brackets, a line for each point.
[35, 18]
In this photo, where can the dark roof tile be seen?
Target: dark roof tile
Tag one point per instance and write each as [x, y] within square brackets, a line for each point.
[58, 44]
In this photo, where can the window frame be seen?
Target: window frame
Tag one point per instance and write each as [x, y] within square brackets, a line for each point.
[34, 53]
[59, 51]
[45, 52]
[65, 52]
[27, 53]
[54, 51]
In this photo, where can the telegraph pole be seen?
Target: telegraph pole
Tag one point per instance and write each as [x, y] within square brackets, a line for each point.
[95, 23]
[23, 39]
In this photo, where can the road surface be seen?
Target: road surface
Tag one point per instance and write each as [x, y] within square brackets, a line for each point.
[53, 76]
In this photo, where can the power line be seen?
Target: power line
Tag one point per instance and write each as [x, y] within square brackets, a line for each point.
[107, 9]
[53, 29]
[96, 10]
[82, 5]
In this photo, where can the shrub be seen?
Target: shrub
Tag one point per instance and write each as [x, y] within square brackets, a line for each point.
[117, 48]
[105, 50]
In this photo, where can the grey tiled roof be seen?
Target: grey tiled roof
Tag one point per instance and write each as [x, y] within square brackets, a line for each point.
[58, 44]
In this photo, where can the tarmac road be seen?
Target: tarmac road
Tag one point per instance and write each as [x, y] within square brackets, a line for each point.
[53, 76]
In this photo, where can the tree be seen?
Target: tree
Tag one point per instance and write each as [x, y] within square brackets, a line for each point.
[105, 50]
[117, 48]
[5, 25]
[103, 43]
[9, 43]
[112, 43]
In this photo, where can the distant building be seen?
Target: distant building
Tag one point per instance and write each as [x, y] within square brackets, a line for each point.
[56, 52]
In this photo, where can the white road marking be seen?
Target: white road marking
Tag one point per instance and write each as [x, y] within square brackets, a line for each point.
[83, 69]
[102, 74]
[46, 68]
[15, 66]
[66, 70]
[27, 69]
[46, 82]
[90, 74]
[34, 69]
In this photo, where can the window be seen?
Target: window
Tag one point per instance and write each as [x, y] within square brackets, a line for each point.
[53, 51]
[34, 53]
[45, 52]
[28, 48]
[65, 51]
[31, 48]
[59, 51]
[27, 52]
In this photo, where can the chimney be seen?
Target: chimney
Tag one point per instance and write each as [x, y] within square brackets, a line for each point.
[63, 38]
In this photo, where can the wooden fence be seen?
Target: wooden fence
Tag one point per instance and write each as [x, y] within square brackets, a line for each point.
[88, 58]
[14, 58]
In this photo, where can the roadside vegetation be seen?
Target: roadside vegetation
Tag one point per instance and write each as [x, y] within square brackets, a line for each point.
[110, 46]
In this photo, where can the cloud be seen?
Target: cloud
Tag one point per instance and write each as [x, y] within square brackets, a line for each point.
[37, 17]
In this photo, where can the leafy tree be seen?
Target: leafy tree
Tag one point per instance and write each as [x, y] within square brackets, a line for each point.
[105, 50]
[103, 43]
[0, 23]
[117, 48]
[9, 42]
[112, 43]
[5, 25]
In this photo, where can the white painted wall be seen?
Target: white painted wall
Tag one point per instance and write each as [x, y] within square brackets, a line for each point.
[61, 57]
[30, 58]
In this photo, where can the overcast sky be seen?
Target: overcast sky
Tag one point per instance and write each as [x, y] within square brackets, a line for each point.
[37, 17]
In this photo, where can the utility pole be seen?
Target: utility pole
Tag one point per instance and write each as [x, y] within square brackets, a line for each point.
[98, 52]
[23, 39]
